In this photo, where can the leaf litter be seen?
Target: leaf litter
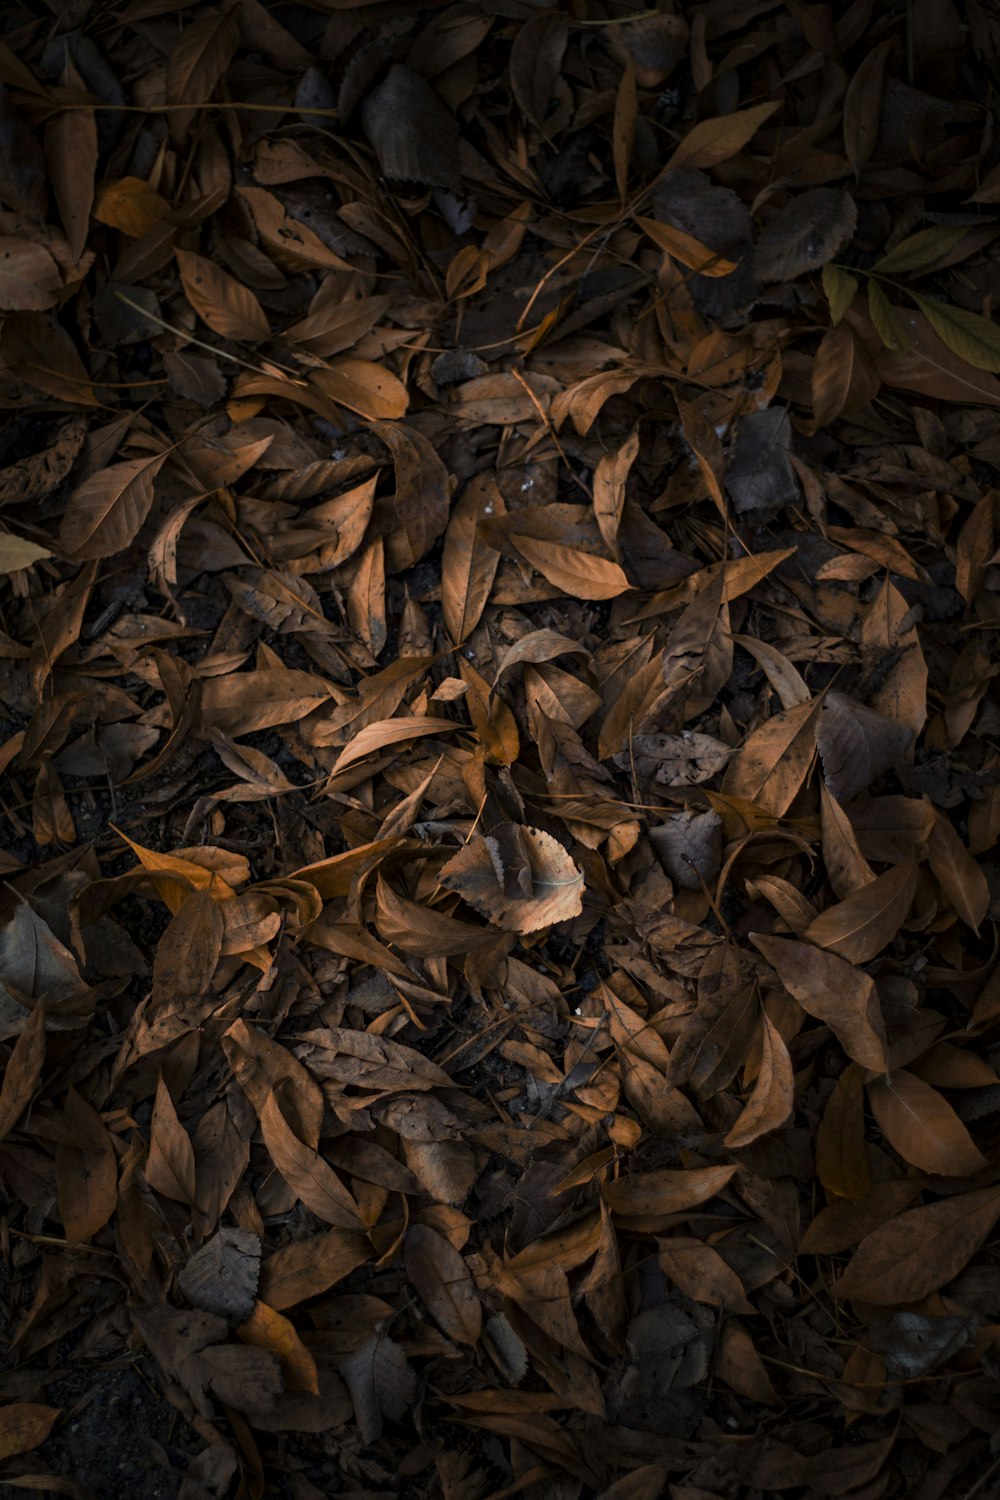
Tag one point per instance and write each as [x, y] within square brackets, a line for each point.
[498, 935]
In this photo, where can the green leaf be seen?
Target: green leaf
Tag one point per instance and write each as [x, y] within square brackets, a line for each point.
[883, 315]
[17, 553]
[840, 289]
[922, 248]
[967, 334]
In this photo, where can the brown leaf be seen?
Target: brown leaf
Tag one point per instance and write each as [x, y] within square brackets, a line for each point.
[104, 513]
[267, 1329]
[307, 1174]
[610, 479]
[865, 922]
[863, 105]
[740, 1366]
[170, 1167]
[846, 867]
[770, 1104]
[197, 61]
[519, 878]
[665, 1192]
[419, 508]
[841, 1163]
[962, 880]
[843, 375]
[771, 765]
[189, 950]
[921, 1125]
[535, 60]
[71, 154]
[24, 1425]
[582, 575]
[366, 598]
[832, 990]
[29, 277]
[23, 1071]
[701, 1274]
[857, 745]
[713, 141]
[227, 306]
[469, 564]
[86, 1171]
[363, 387]
[844, 1223]
[920, 1250]
[442, 1280]
[305, 1268]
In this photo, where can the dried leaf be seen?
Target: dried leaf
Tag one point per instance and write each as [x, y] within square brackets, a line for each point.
[713, 141]
[267, 1329]
[921, 1125]
[582, 575]
[170, 1167]
[770, 1104]
[229, 308]
[841, 1163]
[519, 878]
[832, 990]
[104, 514]
[865, 922]
[307, 1174]
[442, 1280]
[920, 1250]
[24, 1425]
[381, 1382]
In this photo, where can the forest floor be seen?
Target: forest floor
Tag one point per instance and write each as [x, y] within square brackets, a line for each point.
[500, 750]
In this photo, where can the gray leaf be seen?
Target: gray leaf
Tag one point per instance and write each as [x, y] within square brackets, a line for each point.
[222, 1277]
[760, 476]
[381, 1384]
[857, 745]
[412, 133]
[689, 845]
[805, 234]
